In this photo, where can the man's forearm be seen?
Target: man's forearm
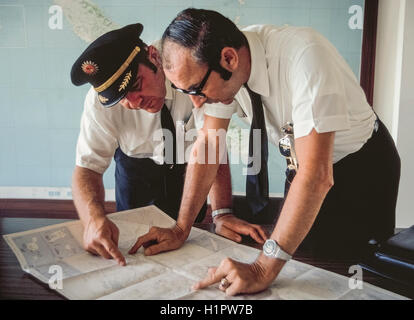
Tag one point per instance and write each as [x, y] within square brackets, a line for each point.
[88, 193]
[200, 173]
[220, 193]
[200, 176]
[299, 211]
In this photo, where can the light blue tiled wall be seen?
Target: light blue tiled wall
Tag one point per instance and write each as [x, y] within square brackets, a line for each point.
[40, 109]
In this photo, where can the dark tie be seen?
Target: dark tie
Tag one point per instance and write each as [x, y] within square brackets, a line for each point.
[257, 184]
[168, 123]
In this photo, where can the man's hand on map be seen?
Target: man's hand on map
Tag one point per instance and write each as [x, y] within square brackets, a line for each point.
[232, 228]
[236, 277]
[101, 237]
[159, 240]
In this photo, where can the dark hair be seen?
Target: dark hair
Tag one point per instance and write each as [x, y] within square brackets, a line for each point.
[149, 64]
[206, 33]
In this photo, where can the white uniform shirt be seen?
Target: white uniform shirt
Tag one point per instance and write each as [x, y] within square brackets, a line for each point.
[302, 79]
[103, 130]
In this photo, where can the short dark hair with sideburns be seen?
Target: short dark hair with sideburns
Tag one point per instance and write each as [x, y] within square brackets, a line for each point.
[205, 33]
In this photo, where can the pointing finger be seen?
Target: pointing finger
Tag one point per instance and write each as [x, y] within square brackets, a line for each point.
[211, 278]
[253, 233]
[113, 250]
[141, 240]
[101, 251]
[229, 234]
[155, 248]
[261, 231]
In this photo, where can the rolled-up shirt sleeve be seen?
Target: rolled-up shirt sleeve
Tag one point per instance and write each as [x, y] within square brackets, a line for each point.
[220, 110]
[96, 144]
[318, 93]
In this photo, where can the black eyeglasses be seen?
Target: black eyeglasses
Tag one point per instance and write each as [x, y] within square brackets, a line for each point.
[196, 91]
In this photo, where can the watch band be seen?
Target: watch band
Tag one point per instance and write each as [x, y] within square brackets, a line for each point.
[220, 212]
[272, 249]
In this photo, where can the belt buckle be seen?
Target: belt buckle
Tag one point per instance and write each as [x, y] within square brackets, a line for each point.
[171, 166]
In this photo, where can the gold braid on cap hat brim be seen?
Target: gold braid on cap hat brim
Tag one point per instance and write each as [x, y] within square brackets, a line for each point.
[121, 70]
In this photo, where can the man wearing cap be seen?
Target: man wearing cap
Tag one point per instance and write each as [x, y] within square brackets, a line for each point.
[129, 101]
[292, 85]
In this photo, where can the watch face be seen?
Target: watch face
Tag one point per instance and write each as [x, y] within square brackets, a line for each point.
[269, 246]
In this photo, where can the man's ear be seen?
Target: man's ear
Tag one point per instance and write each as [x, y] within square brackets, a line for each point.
[229, 59]
[154, 56]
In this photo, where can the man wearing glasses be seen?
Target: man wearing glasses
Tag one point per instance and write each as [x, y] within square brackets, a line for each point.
[129, 101]
[292, 84]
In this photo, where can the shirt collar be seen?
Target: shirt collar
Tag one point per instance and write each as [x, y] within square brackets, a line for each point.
[259, 79]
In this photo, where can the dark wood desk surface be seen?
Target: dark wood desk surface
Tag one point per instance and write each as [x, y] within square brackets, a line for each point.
[17, 284]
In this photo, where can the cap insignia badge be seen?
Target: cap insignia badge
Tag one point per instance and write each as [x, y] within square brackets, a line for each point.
[125, 81]
[102, 98]
[90, 68]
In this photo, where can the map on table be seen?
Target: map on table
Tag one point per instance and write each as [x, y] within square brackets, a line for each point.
[167, 275]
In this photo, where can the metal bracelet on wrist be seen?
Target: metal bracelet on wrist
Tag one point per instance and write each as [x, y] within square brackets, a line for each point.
[221, 212]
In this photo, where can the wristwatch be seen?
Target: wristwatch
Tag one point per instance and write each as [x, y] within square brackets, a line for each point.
[273, 250]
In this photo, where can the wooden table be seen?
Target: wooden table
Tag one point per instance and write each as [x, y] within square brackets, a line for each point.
[17, 284]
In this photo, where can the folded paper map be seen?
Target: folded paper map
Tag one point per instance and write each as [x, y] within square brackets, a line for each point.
[44, 251]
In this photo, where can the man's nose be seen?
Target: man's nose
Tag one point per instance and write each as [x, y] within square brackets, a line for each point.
[198, 101]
